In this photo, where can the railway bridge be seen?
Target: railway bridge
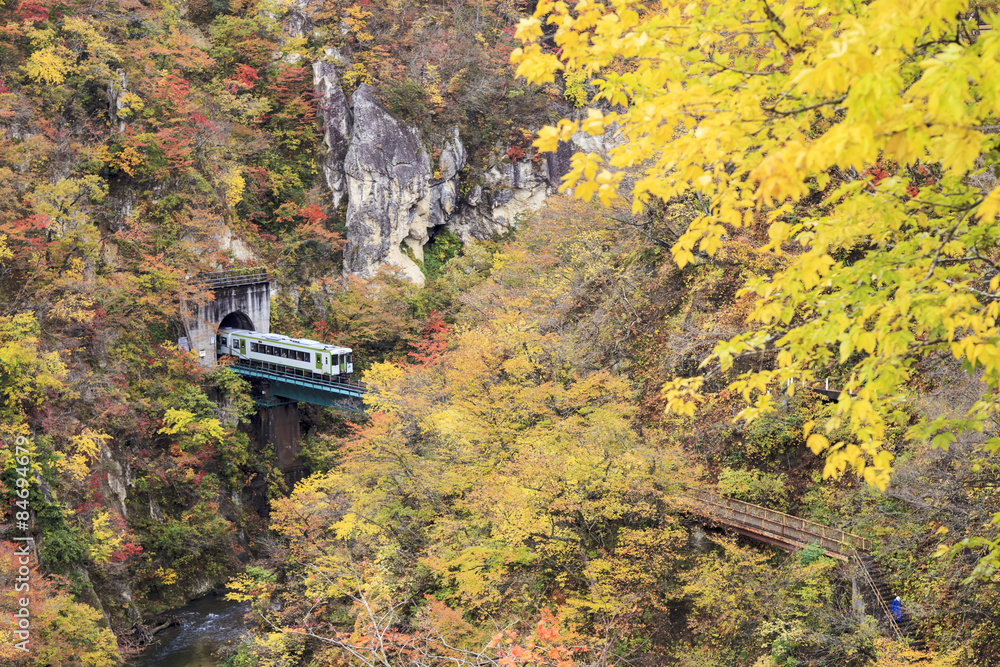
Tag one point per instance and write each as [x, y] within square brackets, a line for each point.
[241, 299]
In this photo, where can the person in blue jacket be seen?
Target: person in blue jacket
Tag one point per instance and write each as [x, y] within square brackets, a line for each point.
[897, 609]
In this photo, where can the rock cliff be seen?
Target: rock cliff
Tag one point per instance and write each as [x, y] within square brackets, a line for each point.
[397, 198]
[388, 194]
[336, 118]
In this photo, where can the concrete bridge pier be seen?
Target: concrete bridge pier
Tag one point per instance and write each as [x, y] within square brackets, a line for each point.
[277, 424]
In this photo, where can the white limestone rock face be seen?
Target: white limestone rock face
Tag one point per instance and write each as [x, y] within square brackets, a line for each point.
[226, 241]
[116, 483]
[444, 189]
[388, 174]
[336, 117]
[396, 198]
[512, 188]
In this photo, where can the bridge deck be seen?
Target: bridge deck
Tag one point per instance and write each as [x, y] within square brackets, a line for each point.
[776, 528]
[791, 532]
[304, 386]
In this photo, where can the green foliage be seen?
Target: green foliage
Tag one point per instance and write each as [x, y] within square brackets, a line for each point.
[811, 553]
[407, 101]
[200, 531]
[62, 548]
[443, 247]
[780, 432]
[754, 486]
[235, 389]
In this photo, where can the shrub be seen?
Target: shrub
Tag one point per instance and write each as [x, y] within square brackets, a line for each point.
[407, 101]
[754, 486]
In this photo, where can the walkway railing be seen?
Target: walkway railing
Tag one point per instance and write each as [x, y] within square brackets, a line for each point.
[232, 277]
[779, 527]
[794, 533]
[873, 585]
[337, 385]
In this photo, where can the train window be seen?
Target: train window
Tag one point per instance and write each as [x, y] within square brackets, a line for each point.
[253, 347]
[350, 357]
[307, 357]
[267, 349]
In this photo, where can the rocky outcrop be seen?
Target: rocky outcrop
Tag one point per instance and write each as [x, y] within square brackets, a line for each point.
[116, 482]
[444, 188]
[117, 87]
[512, 188]
[397, 198]
[388, 173]
[336, 117]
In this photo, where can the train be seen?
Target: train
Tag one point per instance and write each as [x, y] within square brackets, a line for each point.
[295, 354]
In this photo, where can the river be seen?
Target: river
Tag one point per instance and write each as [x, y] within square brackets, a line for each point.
[207, 626]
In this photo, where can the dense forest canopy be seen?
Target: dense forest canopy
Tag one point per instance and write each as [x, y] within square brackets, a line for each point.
[864, 137]
[785, 196]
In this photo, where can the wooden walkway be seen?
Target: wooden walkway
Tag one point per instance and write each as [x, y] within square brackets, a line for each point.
[777, 528]
[793, 533]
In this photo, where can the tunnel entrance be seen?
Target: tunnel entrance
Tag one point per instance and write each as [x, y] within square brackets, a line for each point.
[237, 320]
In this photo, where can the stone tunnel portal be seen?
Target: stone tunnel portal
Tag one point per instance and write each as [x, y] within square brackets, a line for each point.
[237, 320]
[240, 306]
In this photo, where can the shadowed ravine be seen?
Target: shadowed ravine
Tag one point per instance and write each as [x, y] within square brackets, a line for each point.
[207, 626]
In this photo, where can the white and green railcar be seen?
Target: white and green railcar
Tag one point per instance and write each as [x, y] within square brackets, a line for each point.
[294, 353]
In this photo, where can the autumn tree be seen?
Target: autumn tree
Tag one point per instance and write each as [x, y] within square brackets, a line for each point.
[861, 133]
[62, 631]
[500, 474]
